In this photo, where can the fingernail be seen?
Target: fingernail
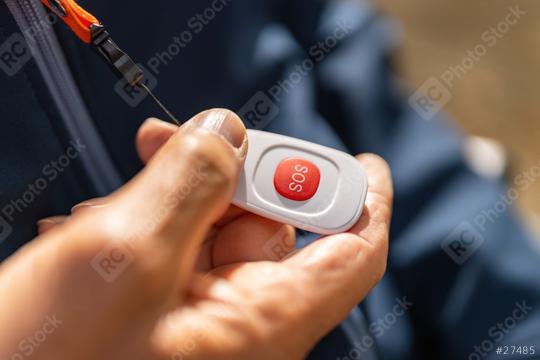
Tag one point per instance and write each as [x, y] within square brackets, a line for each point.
[153, 119]
[45, 225]
[159, 122]
[93, 203]
[225, 123]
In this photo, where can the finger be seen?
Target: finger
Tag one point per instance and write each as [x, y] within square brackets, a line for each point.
[252, 238]
[339, 271]
[163, 214]
[92, 204]
[205, 260]
[379, 199]
[152, 135]
[232, 213]
[119, 268]
[240, 236]
[373, 226]
[47, 224]
[50, 223]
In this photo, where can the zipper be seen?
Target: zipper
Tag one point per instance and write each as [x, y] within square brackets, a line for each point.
[31, 17]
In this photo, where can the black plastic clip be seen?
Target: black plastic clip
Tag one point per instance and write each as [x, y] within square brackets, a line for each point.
[122, 64]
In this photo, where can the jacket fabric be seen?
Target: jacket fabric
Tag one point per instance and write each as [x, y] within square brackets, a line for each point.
[312, 69]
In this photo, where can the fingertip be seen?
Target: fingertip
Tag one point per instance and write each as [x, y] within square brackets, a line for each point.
[373, 161]
[152, 123]
[50, 223]
[341, 259]
[89, 204]
[379, 176]
[152, 134]
[224, 123]
[252, 238]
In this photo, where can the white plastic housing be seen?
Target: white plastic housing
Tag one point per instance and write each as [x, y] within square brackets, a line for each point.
[336, 206]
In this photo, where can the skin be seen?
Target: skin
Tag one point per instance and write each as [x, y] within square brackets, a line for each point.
[202, 283]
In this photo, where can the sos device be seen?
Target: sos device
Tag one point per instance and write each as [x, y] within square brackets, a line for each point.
[309, 186]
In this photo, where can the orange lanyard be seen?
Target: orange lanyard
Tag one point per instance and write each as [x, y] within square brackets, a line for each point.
[89, 29]
[78, 19]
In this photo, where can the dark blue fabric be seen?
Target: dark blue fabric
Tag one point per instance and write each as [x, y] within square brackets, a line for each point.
[349, 101]
[31, 139]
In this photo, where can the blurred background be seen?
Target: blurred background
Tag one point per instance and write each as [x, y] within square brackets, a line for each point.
[498, 97]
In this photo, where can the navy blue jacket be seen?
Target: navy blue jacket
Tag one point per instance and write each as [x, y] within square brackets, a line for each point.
[319, 71]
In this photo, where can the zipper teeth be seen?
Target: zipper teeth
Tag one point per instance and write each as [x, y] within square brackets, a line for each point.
[55, 71]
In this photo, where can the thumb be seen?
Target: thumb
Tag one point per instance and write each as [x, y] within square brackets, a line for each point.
[167, 209]
[115, 269]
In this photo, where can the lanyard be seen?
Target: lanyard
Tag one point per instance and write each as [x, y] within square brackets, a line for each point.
[90, 30]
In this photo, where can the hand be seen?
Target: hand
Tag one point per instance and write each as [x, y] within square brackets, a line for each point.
[165, 269]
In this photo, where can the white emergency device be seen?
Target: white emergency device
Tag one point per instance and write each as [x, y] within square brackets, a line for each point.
[309, 186]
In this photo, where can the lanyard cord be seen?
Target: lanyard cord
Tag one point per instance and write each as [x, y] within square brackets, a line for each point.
[89, 29]
[78, 19]
[99, 166]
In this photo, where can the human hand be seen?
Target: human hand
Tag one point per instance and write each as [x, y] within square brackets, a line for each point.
[197, 281]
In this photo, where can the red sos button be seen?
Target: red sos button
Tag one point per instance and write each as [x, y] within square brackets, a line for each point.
[297, 179]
